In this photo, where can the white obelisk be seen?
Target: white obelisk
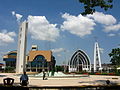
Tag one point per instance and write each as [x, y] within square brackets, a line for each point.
[21, 51]
[97, 59]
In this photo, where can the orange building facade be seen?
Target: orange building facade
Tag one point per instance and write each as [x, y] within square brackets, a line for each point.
[36, 60]
[46, 54]
[40, 60]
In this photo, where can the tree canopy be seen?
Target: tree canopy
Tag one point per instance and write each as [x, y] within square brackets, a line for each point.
[115, 56]
[89, 5]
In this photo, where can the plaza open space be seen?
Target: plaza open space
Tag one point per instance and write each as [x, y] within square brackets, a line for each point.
[82, 80]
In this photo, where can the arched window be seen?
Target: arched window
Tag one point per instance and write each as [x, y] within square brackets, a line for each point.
[39, 58]
[39, 61]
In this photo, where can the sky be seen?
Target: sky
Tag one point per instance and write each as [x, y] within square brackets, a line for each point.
[57, 25]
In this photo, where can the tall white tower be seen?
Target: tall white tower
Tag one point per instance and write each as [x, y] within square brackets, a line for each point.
[21, 51]
[97, 59]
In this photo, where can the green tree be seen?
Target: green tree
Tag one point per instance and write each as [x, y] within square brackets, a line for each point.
[115, 56]
[89, 5]
[9, 69]
[59, 68]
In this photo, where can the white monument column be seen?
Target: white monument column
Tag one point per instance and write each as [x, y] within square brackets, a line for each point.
[21, 51]
[97, 59]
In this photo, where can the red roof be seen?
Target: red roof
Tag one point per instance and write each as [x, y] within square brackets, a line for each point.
[1, 64]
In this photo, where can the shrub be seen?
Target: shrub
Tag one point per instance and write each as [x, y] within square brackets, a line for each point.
[97, 73]
[111, 74]
[10, 69]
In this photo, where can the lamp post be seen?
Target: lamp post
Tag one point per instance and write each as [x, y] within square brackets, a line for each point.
[36, 67]
[43, 62]
[30, 66]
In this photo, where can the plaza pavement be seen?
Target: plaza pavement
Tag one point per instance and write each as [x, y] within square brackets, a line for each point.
[91, 80]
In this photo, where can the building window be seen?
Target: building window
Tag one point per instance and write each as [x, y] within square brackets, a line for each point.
[39, 61]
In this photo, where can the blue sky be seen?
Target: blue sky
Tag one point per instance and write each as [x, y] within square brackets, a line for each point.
[58, 25]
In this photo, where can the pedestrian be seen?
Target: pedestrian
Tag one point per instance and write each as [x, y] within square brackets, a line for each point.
[24, 79]
[44, 75]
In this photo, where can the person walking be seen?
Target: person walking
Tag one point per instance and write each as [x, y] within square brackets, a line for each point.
[44, 75]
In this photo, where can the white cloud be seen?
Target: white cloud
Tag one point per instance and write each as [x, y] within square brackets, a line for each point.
[111, 35]
[13, 13]
[6, 37]
[59, 55]
[103, 18]
[18, 16]
[78, 25]
[40, 28]
[101, 50]
[112, 28]
[58, 50]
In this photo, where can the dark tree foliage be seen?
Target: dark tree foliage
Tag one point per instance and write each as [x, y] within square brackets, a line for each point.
[89, 5]
[115, 56]
[59, 68]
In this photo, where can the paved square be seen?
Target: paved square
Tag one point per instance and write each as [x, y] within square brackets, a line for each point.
[92, 80]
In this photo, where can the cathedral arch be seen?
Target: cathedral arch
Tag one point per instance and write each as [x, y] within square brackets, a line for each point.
[79, 62]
